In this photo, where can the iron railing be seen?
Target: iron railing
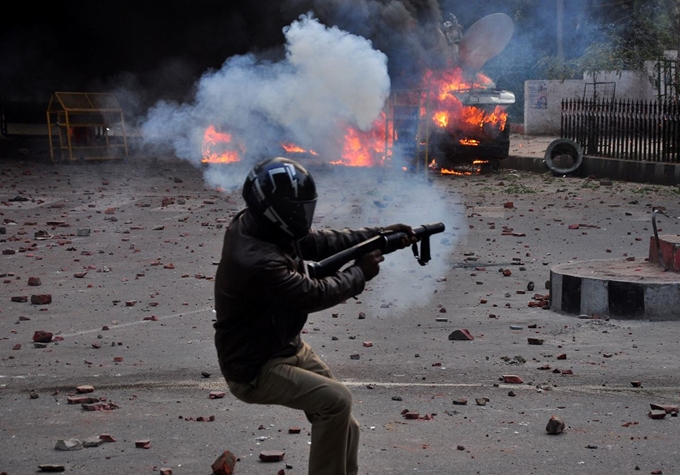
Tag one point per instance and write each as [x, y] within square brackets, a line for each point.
[624, 129]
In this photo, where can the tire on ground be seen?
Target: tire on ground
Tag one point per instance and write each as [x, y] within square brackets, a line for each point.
[559, 148]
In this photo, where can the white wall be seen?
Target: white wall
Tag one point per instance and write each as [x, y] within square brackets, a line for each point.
[543, 98]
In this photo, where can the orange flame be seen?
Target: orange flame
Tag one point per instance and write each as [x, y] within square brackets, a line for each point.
[219, 148]
[364, 149]
[450, 111]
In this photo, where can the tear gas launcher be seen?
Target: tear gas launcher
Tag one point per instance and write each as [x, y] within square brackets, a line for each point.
[386, 241]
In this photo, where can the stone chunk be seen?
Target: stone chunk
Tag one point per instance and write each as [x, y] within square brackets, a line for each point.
[41, 336]
[555, 426]
[106, 438]
[272, 455]
[224, 464]
[51, 467]
[461, 334]
[68, 444]
[41, 299]
[669, 409]
[143, 444]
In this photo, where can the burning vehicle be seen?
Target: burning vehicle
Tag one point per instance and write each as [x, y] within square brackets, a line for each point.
[468, 113]
[454, 117]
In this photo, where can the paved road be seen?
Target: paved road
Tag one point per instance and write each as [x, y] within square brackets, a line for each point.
[131, 313]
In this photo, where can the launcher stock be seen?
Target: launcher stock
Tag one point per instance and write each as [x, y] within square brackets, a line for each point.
[387, 241]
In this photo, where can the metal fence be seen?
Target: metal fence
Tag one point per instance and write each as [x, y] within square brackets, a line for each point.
[625, 129]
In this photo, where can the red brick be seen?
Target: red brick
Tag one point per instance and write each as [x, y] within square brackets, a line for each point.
[42, 336]
[461, 334]
[512, 379]
[41, 299]
[272, 455]
[225, 464]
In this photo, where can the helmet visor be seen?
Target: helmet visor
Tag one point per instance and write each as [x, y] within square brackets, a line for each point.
[298, 215]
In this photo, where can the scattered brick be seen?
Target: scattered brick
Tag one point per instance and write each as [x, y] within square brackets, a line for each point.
[272, 455]
[512, 379]
[367, 344]
[294, 430]
[81, 400]
[535, 341]
[106, 438]
[85, 388]
[410, 415]
[665, 407]
[460, 402]
[17, 346]
[224, 464]
[34, 281]
[41, 336]
[20, 298]
[461, 334]
[41, 299]
[217, 394]
[656, 414]
[48, 467]
[165, 471]
[143, 444]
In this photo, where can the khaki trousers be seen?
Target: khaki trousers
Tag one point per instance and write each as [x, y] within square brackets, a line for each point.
[305, 382]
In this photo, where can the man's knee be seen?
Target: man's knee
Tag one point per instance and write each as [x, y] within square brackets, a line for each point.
[337, 397]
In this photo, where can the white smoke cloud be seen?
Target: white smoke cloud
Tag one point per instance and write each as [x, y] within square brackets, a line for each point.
[328, 77]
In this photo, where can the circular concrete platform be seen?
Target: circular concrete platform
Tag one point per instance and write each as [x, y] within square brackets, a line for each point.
[616, 288]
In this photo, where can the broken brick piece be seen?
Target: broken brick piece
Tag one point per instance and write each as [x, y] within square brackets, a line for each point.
[81, 400]
[165, 471]
[665, 407]
[535, 341]
[34, 281]
[20, 298]
[460, 402]
[411, 415]
[41, 299]
[461, 334]
[224, 464]
[143, 444]
[294, 430]
[217, 394]
[272, 455]
[42, 336]
[85, 388]
[656, 414]
[512, 379]
[106, 438]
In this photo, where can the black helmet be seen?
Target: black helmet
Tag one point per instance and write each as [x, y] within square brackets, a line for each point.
[282, 194]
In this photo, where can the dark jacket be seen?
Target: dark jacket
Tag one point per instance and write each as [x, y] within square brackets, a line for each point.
[263, 297]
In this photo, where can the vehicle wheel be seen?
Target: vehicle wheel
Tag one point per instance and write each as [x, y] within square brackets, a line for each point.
[563, 156]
